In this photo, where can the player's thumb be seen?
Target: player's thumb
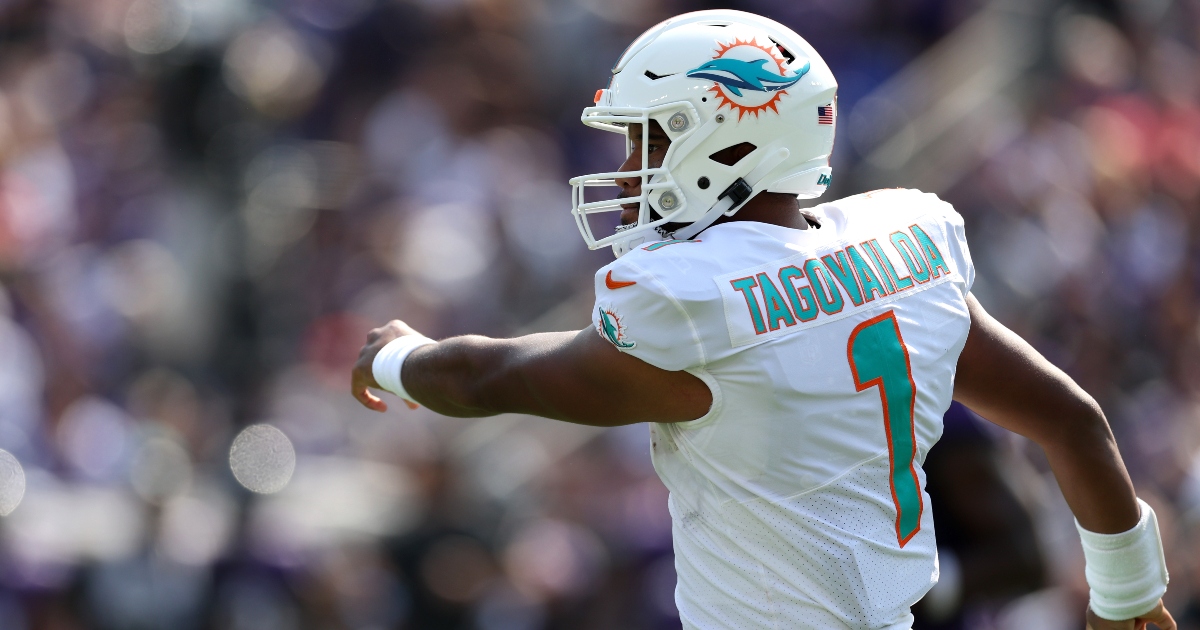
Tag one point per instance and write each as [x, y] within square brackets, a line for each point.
[1160, 617]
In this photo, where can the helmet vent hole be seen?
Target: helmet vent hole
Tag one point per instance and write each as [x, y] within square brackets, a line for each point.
[733, 154]
[655, 77]
[783, 51]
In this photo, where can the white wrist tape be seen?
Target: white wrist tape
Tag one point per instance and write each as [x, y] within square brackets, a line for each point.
[1127, 572]
[389, 360]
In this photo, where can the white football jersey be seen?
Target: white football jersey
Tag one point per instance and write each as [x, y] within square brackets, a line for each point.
[798, 501]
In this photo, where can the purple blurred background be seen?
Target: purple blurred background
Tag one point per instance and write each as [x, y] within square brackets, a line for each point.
[205, 204]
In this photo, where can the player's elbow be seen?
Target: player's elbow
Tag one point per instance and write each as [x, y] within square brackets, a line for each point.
[1081, 423]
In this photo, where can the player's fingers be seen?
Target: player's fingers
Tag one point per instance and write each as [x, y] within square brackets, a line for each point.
[411, 405]
[371, 401]
[361, 393]
[1160, 617]
[377, 403]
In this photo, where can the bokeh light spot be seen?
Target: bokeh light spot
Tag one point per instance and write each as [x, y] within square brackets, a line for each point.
[457, 569]
[12, 483]
[160, 470]
[262, 459]
[156, 26]
[274, 70]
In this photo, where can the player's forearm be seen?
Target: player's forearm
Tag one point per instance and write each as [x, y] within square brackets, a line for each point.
[474, 376]
[1091, 474]
[446, 376]
[575, 377]
[1002, 378]
[1081, 450]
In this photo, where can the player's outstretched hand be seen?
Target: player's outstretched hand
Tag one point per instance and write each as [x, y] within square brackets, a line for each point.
[362, 378]
[1159, 617]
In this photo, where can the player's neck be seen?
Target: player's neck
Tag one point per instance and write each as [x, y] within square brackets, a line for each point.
[774, 208]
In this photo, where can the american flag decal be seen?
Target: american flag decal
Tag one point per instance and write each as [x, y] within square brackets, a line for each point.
[825, 114]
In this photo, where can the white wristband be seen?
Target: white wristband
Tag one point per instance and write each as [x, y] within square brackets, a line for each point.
[389, 360]
[1127, 572]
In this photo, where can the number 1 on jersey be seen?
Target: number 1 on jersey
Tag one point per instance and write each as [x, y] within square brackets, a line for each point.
[879, 358]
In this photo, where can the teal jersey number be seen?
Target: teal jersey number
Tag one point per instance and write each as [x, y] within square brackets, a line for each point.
[879, 358]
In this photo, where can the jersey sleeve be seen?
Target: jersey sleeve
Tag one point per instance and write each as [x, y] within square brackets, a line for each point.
[956, 240]
[637, 313]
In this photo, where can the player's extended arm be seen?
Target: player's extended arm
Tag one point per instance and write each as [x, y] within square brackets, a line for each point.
[1003, 379]
[571, 376]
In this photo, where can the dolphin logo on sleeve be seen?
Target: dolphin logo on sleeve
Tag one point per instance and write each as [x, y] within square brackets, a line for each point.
[737, 75]
[610, 326]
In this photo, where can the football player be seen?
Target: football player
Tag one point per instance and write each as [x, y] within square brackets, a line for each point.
[794, 366]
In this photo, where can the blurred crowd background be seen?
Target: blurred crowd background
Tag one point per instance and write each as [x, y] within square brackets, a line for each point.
[205, 204]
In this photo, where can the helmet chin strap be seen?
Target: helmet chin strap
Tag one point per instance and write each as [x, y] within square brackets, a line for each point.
[737, 194]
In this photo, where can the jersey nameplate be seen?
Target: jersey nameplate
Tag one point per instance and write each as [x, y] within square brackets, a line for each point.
[815, 288]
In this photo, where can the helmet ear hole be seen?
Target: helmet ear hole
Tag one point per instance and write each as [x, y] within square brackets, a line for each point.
[731, 155]
[783, 51]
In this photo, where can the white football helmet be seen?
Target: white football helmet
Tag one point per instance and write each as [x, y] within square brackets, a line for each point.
[712, 80]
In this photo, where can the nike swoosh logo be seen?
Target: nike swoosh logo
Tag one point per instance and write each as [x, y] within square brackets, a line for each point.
[616, 284]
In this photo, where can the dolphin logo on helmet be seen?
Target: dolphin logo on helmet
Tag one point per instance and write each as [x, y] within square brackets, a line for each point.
[737, 75]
